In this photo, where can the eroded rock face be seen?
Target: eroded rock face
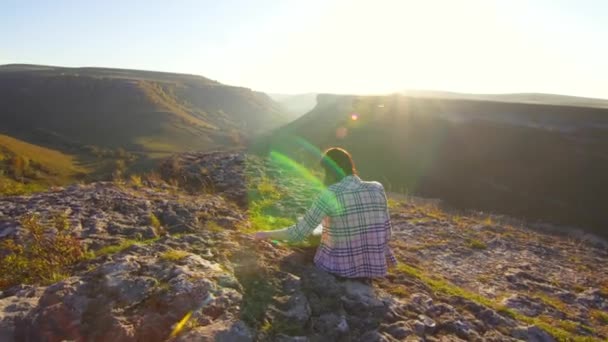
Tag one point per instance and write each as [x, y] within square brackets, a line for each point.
[104, 213]
[217, 172]
[15, 306]
[234, 175]
[198, 271]
[134, 293]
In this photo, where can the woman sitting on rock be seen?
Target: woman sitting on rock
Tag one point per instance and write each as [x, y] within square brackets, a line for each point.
[356, 222]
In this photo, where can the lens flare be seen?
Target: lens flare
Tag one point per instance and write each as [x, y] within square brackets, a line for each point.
[312, 149]
[180, 325]
[354, 116]
[289, 165]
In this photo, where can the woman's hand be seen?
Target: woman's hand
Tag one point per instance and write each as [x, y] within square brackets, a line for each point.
[261, 235]
[279, 234]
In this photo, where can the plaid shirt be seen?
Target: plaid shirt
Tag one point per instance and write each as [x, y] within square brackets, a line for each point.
[355, 244]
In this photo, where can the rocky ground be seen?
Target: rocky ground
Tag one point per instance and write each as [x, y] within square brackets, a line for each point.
[172, 260]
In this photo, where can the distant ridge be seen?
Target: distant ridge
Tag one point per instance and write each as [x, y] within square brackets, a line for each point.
[531, 160]
[100, 72]
[142, 111]
[532, 98]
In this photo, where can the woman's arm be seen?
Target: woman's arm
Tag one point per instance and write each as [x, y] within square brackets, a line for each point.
[312, 218]
[279, 234]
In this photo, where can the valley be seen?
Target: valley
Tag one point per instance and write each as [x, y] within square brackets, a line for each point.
[128, 200]
[542, 162]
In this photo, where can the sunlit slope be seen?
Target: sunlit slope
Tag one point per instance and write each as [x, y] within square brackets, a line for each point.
[27, 165]
[137, 110]
[531, 160]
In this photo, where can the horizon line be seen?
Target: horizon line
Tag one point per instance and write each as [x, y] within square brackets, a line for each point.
[394, 92]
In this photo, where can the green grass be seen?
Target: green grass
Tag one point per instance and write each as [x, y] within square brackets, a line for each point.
[156, 224]
[477, 244]
[113, 249]
[600, 316]
[154, 221]
[135, 181]
[214, 227]
[268, 196]
[174, 255]
[556, 328]
[399, 291]
[552, 301]
[484, 278]
[604, 288]
[568, 325]
[268, 222]
[281, 326]
[10, 187]
[443, 286]
[488, 221]
[267, 189]
[393, 203]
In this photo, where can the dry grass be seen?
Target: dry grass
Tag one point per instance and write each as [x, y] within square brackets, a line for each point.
[557, 328]
[599, 316]
[214, 227]
[399, 291]
[174, 255]
[477, 244]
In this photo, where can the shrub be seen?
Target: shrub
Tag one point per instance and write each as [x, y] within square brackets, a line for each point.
[488, 221]
[41, 256]
[136, 181]
[9, 187]
[155, 222]
[153, 178]
[119, 169]
[19, 166]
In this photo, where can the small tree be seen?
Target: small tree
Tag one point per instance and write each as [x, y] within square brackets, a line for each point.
[41, 255]
[121, 153]
[19, 166]
[119, 168]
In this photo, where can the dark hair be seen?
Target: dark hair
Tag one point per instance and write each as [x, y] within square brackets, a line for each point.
[337, 163]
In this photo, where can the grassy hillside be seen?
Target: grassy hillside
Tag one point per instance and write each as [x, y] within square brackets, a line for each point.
[537, 161]
[141, 111]
[26, 167]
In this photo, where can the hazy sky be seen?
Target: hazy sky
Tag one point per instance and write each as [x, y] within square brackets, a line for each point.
[287, 46]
